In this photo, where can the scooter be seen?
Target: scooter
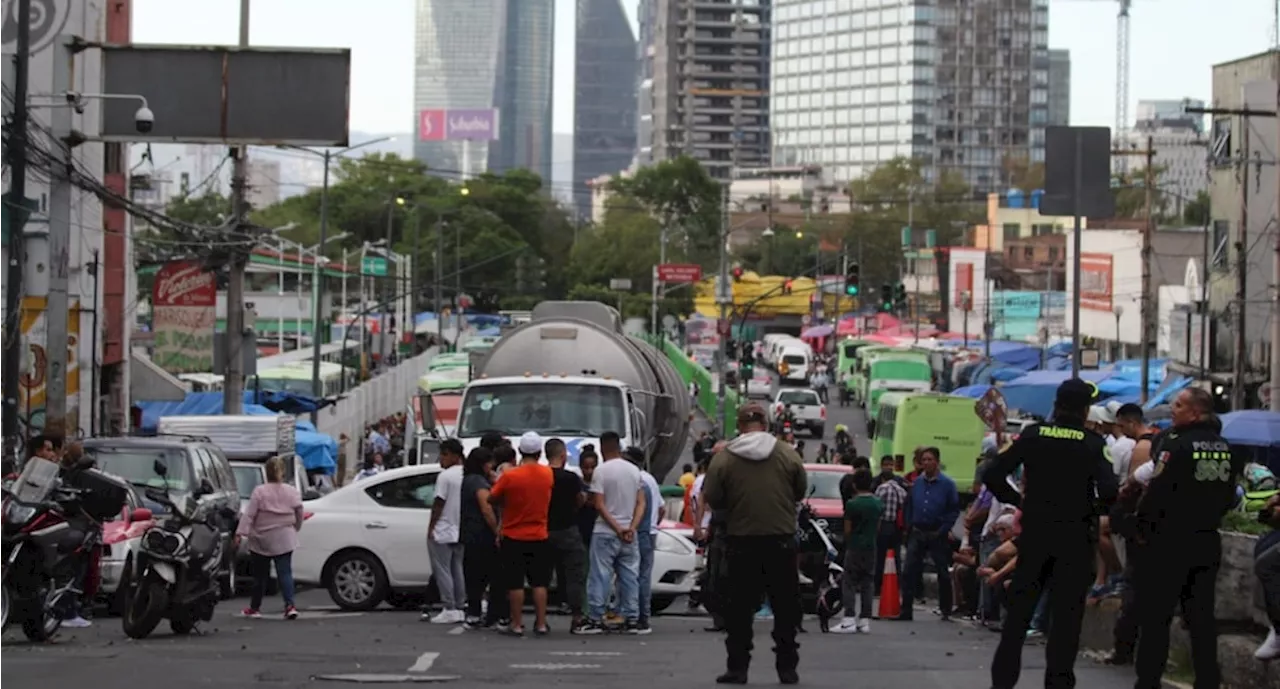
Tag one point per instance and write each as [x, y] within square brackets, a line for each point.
[177, 570]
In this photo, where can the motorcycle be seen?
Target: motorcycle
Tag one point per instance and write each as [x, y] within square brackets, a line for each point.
[786, 421]
[826, 577]
[177, 570]
[52, 542]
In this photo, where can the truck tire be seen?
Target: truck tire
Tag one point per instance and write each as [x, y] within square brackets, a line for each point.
[818, 431]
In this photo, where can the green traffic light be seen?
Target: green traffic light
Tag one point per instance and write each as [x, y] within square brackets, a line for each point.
[851, 290]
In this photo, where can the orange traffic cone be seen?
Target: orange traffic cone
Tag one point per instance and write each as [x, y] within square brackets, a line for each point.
[890, 597]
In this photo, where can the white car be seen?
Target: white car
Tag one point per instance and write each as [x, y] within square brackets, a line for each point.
[809, 411]
[366, 542]
[760, 386]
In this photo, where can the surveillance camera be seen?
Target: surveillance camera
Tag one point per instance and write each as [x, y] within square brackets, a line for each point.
[144, 119]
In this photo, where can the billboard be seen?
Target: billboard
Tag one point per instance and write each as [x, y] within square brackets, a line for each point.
[964, 285]
[184, 311]
[1096, 273]
[458, 124]
[228, 95]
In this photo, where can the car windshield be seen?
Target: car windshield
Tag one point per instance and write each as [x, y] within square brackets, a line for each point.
[295, 386]
[825, 484]
[850, 350]
[550, 409]
[137, 466]
[798, 397]
[794, 359]
[247, 478]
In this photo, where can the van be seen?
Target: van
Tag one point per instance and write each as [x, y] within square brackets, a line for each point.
[769, 351]
[797, 356]
[895, 372]
[906, 421]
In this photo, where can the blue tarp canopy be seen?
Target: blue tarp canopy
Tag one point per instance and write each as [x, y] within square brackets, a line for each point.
[1034, 392]
[971, 391]
[1013, 354]
[489, 331]
[318, 451]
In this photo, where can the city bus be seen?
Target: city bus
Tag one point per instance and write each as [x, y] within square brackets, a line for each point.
[296, 378]
[899, 371]
[906, 421]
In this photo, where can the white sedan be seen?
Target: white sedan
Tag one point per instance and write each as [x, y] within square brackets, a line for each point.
[366, 542]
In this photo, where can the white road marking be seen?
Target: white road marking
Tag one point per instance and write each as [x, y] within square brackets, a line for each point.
[585, 653]
[457, 630]
[554, 666]
[360, 678]
[424, 662]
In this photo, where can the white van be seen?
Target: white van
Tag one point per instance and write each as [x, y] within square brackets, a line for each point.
[770, 341]
[797, 356]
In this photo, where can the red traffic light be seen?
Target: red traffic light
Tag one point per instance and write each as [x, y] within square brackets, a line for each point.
[737, 272]
[786, 286]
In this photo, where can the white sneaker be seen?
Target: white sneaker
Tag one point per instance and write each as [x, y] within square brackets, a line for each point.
[864, 626]
[77, 623]
[1269, 650]
[848, 626]
[443, 617]
[459, 616]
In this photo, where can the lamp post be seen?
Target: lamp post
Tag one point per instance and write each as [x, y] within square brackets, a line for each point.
[1118, 311]
[327, 155]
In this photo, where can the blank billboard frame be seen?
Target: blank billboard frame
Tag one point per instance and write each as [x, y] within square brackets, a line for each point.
[228, 95]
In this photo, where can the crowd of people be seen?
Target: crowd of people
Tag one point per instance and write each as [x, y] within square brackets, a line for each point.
[509, 514]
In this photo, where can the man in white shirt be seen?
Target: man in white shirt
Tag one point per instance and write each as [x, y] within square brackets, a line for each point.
[618, 492]
[647, 536]
[444, 544]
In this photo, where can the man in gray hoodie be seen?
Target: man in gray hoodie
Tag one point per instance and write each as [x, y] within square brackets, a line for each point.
[757, 482]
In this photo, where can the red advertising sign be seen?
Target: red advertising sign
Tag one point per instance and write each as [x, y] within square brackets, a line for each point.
[183, 314]
[1096, 276]
[679, 272]
[963, 285]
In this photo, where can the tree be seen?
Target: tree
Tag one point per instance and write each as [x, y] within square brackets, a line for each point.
[1022, 174]
[1196, 212]
[210, 209]
[1130, 192]
[680, 195]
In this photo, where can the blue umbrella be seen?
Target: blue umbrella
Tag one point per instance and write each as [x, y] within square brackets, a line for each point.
[1252, 427]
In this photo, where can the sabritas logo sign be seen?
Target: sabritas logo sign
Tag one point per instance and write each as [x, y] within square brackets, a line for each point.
[184, 283]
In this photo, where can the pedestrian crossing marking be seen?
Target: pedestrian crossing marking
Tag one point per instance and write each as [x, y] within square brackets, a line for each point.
[586, 653]
[554, 666]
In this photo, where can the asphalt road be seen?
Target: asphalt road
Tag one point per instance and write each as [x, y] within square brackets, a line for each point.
[851, 416]
[325, 648]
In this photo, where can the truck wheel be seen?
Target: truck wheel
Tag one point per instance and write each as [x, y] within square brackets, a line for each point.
[818, 431]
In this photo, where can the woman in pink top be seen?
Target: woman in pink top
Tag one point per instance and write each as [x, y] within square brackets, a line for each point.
[270, 524]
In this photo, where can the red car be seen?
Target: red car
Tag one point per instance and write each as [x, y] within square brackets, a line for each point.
[824, 495]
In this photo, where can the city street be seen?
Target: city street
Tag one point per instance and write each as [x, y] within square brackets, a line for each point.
[330, 648]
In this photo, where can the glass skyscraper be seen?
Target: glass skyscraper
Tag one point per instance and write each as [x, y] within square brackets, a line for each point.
[959, 85]
[487, 54]
[604, 109]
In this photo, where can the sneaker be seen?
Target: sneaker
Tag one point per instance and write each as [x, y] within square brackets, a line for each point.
[290, 612]
[502, 625]
[642, 628]
[847, 626]
[77, 622]
[864, 626]
[764, 613]
[247, 612]
[1270, 649]
[588, 628]
[1034, 634]
[443, 617]
[473, 623]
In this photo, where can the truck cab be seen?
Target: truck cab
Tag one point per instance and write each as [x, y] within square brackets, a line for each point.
[576, 409]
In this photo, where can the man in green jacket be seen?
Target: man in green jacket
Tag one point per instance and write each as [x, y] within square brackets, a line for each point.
[757, 483]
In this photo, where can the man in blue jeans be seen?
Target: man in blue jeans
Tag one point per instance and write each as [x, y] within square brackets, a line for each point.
[932, 511]
[646, 536]
[617, 490]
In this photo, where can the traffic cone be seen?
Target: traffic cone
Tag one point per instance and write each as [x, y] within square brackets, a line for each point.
[890, 597]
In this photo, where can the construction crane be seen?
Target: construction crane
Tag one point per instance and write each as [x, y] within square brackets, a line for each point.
[1122, 79]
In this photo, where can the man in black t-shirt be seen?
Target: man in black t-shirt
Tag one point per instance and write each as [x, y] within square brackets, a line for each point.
[563, 534]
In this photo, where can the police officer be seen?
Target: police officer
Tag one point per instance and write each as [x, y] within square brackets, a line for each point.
[1192, 487]
[1065, 471]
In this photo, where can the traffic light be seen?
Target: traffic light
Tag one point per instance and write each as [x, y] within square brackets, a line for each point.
[786, 286]
[886, 297]
[852, 280]
[900, 296]
[737, 273]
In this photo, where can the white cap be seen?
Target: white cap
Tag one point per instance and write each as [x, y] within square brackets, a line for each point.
[1101, 414]
[530, 444]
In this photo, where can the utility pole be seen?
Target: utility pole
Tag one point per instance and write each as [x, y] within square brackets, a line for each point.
[1242, 251]
[59, 248]
[233, 383]
[317, 289]
[657, 284]
[1273, 401]
[724, 295]
[389, 294]
[440, 227]
[1147, 305]
[18, 220]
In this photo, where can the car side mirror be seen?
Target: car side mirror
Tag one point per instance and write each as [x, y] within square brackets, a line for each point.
[140, 514]
[310, 494]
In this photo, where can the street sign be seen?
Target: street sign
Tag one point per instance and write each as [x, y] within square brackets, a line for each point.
[679, 272]
[375, 266]
[620, 284]
[724, 327]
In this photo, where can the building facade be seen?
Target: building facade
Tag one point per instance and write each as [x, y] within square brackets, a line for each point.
[1163, 110]
[1059, 88]
[1181, 154]
[646, 49]
[262, 179]
[604, 106]
[1017, 216]
[962, 86]
[710, 92]
[481, 54]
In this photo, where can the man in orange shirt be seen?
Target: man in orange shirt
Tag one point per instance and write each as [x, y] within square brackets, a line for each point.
[525, 495]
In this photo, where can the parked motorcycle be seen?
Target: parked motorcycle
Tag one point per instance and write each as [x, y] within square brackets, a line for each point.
[178, 566]
[825, 579]
[52, 541]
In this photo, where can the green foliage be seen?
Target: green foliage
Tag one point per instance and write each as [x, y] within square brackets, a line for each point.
[210, 209]
[679, 194]
[1196, 211]
[1130, 192]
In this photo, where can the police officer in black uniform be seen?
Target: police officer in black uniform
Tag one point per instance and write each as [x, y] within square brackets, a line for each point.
[1193, 487]
[1067, 472]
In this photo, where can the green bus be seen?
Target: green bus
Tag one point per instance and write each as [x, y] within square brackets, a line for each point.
[445, 379]
[862, 392]
[906, 421]
[846, 362]
[857, 381]
[449, 360]
[895, 372]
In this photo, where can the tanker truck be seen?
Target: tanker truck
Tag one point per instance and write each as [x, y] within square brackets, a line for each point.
[571, 373]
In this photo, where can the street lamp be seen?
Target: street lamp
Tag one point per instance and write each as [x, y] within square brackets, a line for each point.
[317, 275]
[327, 155]
[1118, 311]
